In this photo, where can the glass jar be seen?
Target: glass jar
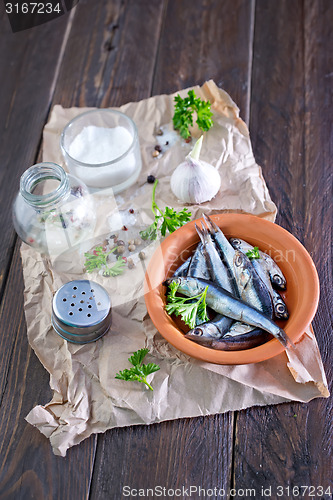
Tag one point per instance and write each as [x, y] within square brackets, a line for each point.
[53, 210]
[101, 147]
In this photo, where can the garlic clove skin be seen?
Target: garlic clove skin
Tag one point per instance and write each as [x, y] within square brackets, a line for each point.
[195, 181]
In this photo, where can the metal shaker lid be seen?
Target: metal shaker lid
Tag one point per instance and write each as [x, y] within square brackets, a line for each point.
[81, 311]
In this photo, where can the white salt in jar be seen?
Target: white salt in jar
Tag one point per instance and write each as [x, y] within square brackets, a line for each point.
[101, 147]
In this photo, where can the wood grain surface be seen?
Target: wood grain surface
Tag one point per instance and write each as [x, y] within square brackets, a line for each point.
[275, 60]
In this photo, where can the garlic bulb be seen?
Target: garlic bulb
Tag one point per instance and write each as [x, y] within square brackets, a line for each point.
[194, 180]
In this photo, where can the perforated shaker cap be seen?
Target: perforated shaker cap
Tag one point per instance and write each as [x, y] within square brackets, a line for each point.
[81, 311]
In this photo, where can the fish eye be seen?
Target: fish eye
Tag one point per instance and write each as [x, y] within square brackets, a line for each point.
[238, 260]
[280, 308]
[197, 331]
[277, 279]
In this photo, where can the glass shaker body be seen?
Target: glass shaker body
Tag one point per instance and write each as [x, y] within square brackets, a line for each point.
[53, 210]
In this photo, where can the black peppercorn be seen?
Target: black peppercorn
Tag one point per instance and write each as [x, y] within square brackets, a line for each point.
[151, 179]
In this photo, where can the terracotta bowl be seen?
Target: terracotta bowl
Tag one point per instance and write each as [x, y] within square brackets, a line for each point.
[301, 296]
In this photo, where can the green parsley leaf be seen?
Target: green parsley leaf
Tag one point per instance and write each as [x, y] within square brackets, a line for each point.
[97, 259]
[171, 219]
[183, 114]
[138, 356]
[151, 232]
[116, 269]
[139, 371]
[253, 254]
[188, 308]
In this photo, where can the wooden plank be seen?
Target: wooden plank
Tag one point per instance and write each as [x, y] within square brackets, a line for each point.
[81, 75]
[22, 476]
[192, 451]
[28, 468]
[95, 31]
[171, 455]
[128, 75]
[207, 40]
[111, 61]
[28, 64]
[288, 445]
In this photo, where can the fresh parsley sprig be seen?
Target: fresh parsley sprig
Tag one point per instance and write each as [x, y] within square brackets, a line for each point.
[253, 254]
[188, 308]
[97, 259]
[139, 371]
[183, 115]
[116, 269]
[171, 219]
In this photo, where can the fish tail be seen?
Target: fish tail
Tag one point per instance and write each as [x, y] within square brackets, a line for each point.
[284, 339]
[201, 234]
[204, 230]
[212, 227]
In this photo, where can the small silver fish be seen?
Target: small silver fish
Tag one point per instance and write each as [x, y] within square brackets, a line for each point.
[275, 273]
[211, 330]
[198, 265]
[217, 269]
[222, 243]
[224, 303]
[252, 289]
[240, 342]
[238, 329]
[182, 269]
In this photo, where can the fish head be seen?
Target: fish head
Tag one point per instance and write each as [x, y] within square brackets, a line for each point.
[241, 268]
[281, 310]
[236, 242]
[195, 332]
[190, 286]
[203, 333]
[278, 281]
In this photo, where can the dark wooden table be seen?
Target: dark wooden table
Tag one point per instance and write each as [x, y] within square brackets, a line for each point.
[274, 57]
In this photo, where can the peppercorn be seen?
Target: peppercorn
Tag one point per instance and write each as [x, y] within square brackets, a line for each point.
[159, 132]
[142, 255]
[155, 154]
[151, 179]
[121, 243]
[124, 228]
[130, 263]
[131, 211]
[131, 248]
[158, 148]
[120, 249]
[137, 241]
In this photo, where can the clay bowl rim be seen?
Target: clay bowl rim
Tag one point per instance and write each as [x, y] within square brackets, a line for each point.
[164, 262]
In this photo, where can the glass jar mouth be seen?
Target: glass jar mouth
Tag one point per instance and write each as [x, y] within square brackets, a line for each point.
[42, 172]
[87, 113]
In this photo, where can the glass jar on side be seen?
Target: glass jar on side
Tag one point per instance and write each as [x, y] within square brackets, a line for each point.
[53, 210]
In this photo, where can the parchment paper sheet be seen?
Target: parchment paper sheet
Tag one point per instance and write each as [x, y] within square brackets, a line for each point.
[87, 397]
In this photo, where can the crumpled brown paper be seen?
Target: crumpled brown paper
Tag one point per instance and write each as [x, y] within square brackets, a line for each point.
[87, 397]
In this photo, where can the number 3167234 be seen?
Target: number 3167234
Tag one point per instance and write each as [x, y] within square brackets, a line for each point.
[30, 8]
